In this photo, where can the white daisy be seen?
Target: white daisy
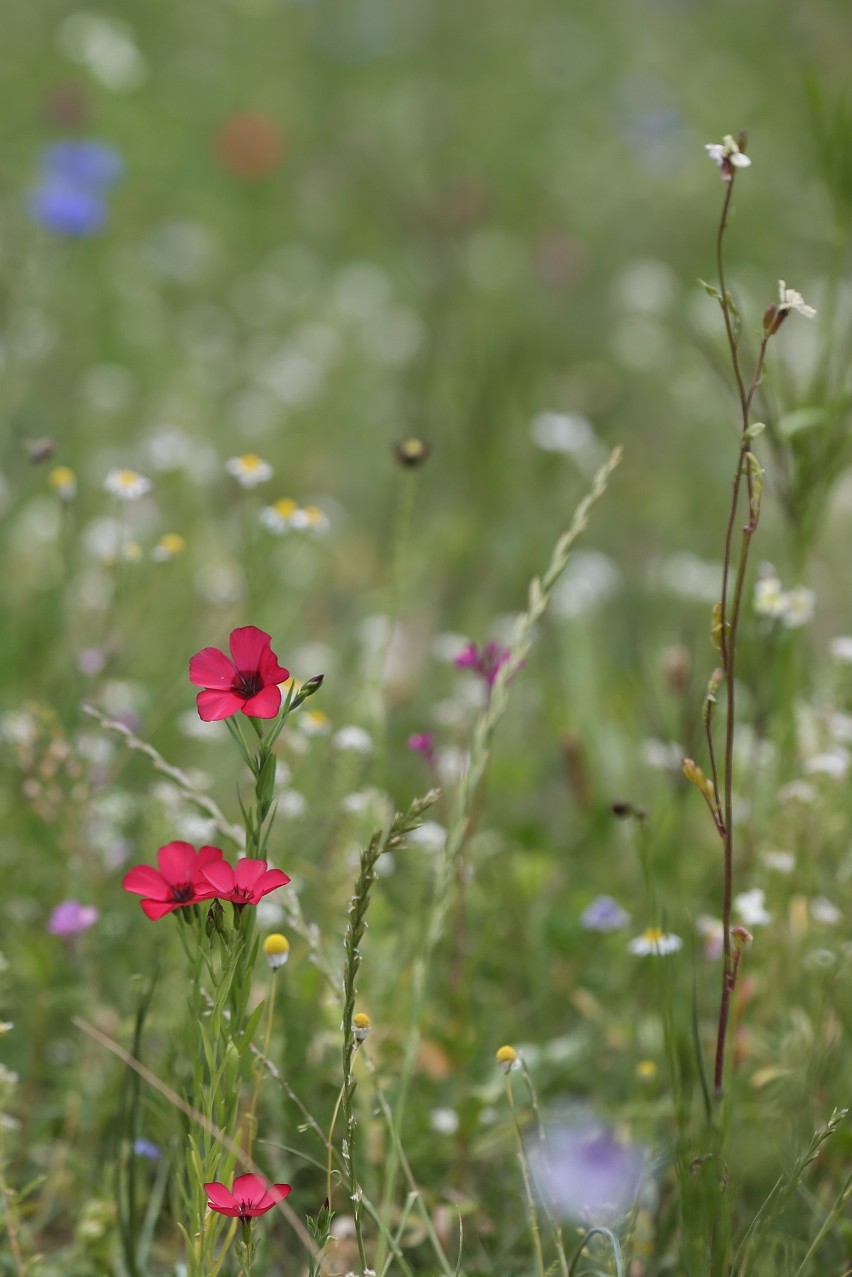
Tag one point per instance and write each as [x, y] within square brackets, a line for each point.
[127, 485]
[249, 470]
[655, 941]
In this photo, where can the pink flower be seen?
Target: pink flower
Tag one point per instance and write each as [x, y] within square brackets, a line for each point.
[245, 885]
[248, 682]
[423, 743]
[178, 882]
[71, 918]
[252, 1196]
[486, 663]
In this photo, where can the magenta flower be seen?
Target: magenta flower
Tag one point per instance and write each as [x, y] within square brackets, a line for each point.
[486, 662]
[245, 885]
[423, 743]
[178, 882]
[252, 1196]
[70, 918]
[247, 683]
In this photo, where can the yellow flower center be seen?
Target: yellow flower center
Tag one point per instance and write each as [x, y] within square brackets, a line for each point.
[276, 943]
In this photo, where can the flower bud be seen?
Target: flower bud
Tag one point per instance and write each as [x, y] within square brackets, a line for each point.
[506, 1058]
[361, 1026]
[277, 950]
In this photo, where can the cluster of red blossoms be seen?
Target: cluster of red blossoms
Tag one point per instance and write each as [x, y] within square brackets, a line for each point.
[245, 682]
[187, 877]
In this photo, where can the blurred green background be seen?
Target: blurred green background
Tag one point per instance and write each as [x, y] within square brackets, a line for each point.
[340, 226]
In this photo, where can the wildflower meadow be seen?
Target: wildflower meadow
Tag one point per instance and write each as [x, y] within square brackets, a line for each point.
[426, 670]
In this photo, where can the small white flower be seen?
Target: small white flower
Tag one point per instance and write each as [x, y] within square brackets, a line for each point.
[840, 649]
[127, 485]
[249, 470]
[789, 299]
[783, 862]
[354, 738]
[798, 607]
[751, 907]
[279, 516]
[664, 756]
[712, 932]
[825, 911]
[444, 1120]
[726, 155]
[429, 837]
[833, 763]
[769, 598]
[655, 941]
[6, 1026]
[309, 519]
[314, 722]
[292, 804]
[797, 791]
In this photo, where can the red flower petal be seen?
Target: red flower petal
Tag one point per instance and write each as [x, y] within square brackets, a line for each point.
[247, 874]
[274, 1194]
[247, 646]
[219, 1195]
[206, 856]
[269, 669]
[155, 909]
[270, 881]
[220, 875]
[177, 862]
[213, 706]
[211, 668]
[145, 881]
[249, 1188]
[265, 704]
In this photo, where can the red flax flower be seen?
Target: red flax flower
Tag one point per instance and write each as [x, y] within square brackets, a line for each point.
[245, 885]
[248, 682]
[252, 1196]
[179, 881]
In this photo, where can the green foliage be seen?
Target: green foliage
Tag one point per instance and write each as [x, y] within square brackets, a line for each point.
[341, 226]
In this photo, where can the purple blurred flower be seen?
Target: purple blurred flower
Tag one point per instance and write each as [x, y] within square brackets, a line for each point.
[486, 662]
[71, 918]
[586, 1173]
[423, 743]
[604, 914]
[88, 164]
[60, 206]
[68, 199]
[144, 1148]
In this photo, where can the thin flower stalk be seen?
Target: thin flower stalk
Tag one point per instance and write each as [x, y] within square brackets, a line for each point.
[748, 475]
[353, 1033]
[556, 1231]
[532, 1211]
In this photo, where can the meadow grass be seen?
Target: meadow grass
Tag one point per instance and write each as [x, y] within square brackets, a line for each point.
[430, 342]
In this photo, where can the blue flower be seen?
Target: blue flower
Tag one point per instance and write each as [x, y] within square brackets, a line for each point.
[75, 176]
[586, 1174]
[604, 914]
[66, 209]
[89, 164]
[144, 1148]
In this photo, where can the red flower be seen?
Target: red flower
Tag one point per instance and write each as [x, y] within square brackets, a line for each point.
[252, 1196]
[178, 882]
[247, 683]
[245, 885]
